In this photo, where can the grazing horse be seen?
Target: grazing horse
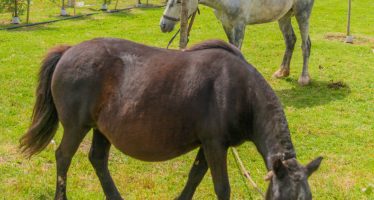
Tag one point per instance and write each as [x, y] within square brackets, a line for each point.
[155, 104]
[236, 14]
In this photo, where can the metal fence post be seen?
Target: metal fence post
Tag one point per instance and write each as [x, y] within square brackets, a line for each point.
[349, 38]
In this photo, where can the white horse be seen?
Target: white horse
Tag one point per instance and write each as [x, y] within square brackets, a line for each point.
[236, 14]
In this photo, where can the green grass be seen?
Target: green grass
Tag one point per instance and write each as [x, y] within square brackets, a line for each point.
[335, 123]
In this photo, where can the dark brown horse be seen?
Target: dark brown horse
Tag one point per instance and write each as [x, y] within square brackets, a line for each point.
[155, 104]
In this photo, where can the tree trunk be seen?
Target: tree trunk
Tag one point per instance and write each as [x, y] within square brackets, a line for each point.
[184, 23]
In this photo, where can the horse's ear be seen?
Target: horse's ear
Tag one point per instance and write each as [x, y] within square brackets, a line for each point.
[313, 166]
[279, 169]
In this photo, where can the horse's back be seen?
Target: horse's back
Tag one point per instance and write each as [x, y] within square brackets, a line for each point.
[256, 11]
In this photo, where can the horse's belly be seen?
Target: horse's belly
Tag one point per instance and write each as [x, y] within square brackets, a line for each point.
[260, 11]
[153, 150]
[152, 143]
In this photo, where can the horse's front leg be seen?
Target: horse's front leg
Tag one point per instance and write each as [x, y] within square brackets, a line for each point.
[239, 35]
[216, 156]
[198, 170]
[99, 154]
[235, 33]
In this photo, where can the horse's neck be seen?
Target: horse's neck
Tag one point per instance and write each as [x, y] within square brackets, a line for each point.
[270, 129]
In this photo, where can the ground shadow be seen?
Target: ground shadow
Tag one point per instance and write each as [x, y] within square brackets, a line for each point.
[45, 25]
[317, 93]
[121, 14]
[33, 28]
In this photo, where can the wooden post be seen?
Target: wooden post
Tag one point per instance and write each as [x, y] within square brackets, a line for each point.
[184, 23]
[349, 38]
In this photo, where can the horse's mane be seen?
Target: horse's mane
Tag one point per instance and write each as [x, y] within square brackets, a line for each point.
[217, 44]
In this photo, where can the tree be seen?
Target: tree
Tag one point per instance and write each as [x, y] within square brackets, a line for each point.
[9, 6]
[17, 7]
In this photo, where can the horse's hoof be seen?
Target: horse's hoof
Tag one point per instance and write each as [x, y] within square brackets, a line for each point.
[281, 73]
[304, 80]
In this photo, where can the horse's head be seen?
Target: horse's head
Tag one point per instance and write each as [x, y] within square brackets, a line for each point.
[172, 13]
[289, 179]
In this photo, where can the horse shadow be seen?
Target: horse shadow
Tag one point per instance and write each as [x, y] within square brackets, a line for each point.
[316, 94]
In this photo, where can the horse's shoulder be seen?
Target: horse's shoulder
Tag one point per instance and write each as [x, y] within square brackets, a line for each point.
[217, 44]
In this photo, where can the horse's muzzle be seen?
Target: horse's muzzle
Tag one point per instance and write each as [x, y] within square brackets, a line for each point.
[166, 25]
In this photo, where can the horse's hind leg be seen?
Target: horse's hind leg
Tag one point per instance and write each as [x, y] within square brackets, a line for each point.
[302, 10]
[198, 170]
[71, 139]
[290, 39]
[99, 154]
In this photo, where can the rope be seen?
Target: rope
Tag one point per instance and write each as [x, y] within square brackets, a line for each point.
[172, 39]
[245, 172]
[188, 30]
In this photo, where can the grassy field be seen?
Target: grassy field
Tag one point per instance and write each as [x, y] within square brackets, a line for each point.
[334, 122]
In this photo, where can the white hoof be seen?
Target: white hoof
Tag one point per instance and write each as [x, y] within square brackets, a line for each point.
[304, 80]
[281, 73]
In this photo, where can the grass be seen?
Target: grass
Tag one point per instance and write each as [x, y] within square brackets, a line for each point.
[336, 123]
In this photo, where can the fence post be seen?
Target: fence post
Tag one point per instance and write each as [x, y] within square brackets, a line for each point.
[349, 38]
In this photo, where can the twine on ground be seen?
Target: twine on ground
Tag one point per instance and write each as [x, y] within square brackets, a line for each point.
[244, 171]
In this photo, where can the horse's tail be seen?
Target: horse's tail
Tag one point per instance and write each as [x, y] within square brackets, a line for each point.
[44, 118]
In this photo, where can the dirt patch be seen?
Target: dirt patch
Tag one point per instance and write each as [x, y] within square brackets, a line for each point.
[357, 39]
[337, 85]
[2, 160]
[9, 153]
